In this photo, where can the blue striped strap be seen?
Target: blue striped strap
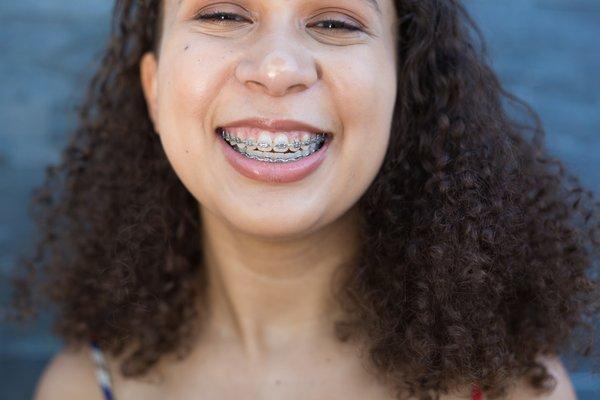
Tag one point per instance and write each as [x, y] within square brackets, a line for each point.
[102, 373]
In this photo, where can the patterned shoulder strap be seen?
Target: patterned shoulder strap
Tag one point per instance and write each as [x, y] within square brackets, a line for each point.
[102, 373]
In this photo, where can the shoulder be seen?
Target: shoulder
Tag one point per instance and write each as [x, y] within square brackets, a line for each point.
[70, 374]
[562, 391]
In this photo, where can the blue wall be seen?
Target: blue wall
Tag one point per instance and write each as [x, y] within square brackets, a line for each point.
[545, 51]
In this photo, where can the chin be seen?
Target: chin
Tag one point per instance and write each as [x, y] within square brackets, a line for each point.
[275, 225]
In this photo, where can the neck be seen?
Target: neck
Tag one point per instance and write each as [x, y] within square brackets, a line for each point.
[266, 293]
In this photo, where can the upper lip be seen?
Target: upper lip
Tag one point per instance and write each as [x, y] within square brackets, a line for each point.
[275, 125]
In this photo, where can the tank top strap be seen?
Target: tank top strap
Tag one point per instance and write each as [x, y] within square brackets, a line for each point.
[476, 393]
[102, 372]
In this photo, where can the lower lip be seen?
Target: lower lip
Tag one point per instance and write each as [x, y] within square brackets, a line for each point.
[274, 172]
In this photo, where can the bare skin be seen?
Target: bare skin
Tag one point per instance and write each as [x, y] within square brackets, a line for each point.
[70, 375]
[271, 250]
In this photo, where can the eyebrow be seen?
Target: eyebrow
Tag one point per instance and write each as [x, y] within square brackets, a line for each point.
[374, 4]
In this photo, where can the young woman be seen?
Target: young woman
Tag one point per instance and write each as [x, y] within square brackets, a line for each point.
[297, 199]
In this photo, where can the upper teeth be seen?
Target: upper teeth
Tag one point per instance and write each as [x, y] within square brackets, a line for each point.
[279, 143]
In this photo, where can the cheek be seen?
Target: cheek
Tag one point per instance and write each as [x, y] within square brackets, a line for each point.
[189, 82]
[366, 95]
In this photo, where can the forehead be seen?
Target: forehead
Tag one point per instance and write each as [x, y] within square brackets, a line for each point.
[372, 3]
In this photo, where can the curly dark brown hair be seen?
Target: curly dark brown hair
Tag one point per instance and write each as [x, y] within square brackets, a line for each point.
[479, 249]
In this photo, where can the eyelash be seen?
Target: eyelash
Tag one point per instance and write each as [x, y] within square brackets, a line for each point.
[217, 17]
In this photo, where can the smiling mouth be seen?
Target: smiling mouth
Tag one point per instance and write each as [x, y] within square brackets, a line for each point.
[280, 147]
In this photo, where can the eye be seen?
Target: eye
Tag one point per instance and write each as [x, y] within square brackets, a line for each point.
[221, 17]
[337, 24]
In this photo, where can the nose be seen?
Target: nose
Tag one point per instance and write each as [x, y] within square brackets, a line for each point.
[277, 67]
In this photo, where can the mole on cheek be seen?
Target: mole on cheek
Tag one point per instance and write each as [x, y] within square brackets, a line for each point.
[187, 46]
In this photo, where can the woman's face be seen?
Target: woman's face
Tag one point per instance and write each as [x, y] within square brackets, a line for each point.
[274, 60]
